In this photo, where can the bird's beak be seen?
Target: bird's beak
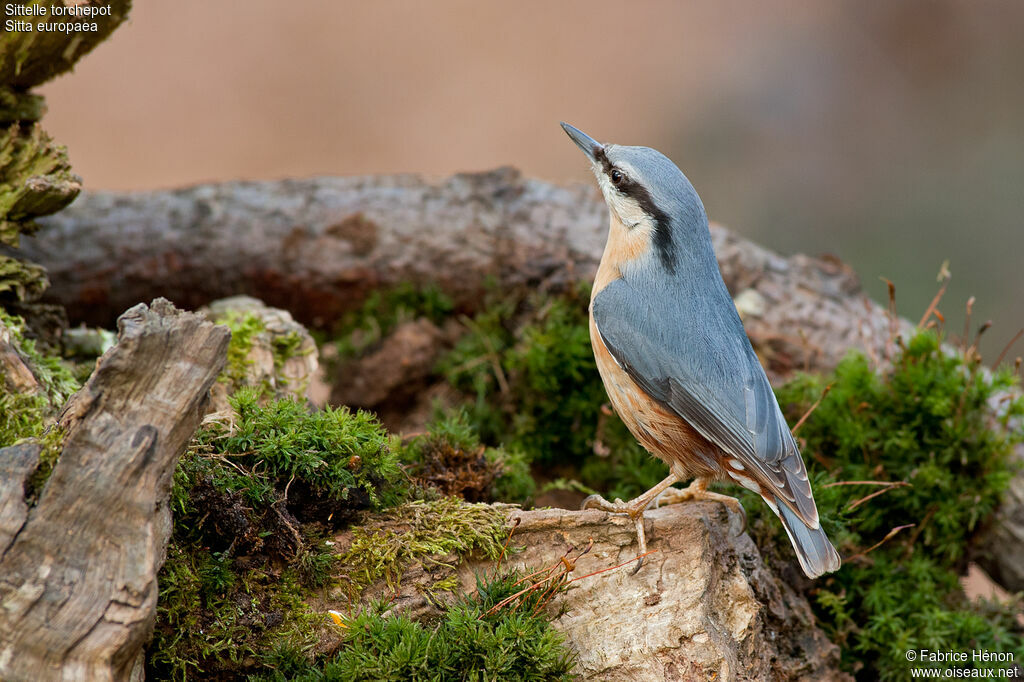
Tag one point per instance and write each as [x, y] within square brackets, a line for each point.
[589, 145]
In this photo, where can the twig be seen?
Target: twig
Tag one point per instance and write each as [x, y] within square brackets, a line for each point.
[888, 536]
[812, 408]
[537, 585]
[977, 339]
[895, 484]
[504, 548]
[612, 568]
[921, 526]
[836, 483]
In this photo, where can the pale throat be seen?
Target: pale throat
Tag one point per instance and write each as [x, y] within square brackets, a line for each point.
[630, 234]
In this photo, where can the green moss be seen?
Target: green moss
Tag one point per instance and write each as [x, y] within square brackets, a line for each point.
[925, 421]
[382, 311]
[249, 331]
[21, 280]
[20, 106]
[336, 452]
[331, 463]
[251, 502]
[244, 326]
[53, 442]
[420, 529]
[450, 458]
[37, 180]
[216, 620]
[466, 643]
[54, 375]
[528, 371]
[284, 347]
[24, 415]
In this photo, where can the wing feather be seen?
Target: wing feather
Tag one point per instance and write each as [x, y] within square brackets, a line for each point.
[707, 373]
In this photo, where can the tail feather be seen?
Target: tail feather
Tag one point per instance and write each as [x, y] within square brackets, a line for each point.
[813, 549]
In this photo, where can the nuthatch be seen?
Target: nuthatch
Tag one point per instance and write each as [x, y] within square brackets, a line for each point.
[675, 360]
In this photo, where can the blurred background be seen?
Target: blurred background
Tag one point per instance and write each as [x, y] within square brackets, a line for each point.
[889, 134]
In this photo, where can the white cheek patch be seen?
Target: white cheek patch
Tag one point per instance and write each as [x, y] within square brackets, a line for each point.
[629, 211]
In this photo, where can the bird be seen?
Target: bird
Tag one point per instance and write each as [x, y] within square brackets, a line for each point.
[676, 361]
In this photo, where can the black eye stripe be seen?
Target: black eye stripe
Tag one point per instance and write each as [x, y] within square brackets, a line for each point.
[662, 232]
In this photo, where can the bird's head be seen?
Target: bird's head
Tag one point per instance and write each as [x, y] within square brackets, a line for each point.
[647, 194]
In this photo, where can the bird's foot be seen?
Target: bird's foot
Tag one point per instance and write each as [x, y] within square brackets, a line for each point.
[698, 490]
[598, 502]
[635, 508]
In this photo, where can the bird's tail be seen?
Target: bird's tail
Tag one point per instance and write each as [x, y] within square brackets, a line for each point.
[815, 552]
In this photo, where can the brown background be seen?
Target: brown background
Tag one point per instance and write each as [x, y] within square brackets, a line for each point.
[891, 134]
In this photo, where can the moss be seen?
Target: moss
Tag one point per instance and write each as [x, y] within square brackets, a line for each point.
[53, 375]
[252, 502]
[323, 466]
[245, 327]
[925, 421]
[31, 415]
[285, 347]
[528, 372]
[37, 180]
[249, 332]
[420, 529]
[382, 311]
[53, 442]
[450, 459]
[234, 589]
[21, 280]
[466, 643]
[20, 106]
[218, 619]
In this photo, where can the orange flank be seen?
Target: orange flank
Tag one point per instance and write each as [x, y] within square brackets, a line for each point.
[661, 431]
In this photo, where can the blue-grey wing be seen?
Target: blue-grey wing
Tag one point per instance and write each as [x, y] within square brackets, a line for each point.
[696, 359]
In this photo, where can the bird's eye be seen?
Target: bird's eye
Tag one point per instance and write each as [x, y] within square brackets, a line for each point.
[616, 176]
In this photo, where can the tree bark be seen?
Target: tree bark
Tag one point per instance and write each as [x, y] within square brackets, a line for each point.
[78, 572]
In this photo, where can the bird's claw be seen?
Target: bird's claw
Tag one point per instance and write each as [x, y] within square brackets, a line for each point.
[595, 501]
[697, 491]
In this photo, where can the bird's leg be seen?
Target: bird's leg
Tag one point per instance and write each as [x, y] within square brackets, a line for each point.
[635, 508]
[698, 490]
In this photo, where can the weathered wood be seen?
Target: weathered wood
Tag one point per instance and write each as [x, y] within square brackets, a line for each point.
[17, 463]
[78, 583]
[316, 247]
[703, 607]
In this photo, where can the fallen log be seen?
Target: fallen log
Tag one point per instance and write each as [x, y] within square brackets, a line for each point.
[317, 247]
[78, 571]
